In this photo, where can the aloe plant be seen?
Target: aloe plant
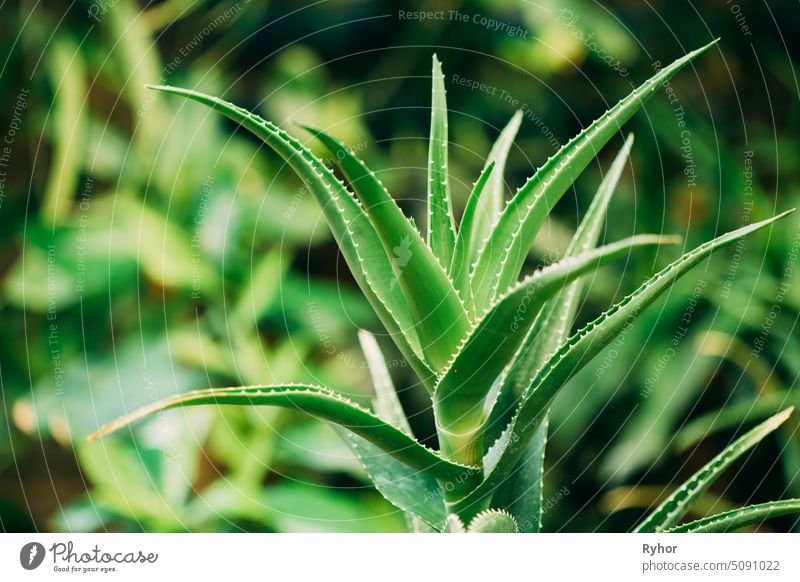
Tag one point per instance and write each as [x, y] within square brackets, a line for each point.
[492, 349]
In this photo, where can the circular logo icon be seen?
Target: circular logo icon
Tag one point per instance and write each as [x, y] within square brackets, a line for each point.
[31, 555]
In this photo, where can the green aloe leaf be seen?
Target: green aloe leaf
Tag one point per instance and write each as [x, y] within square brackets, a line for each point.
[493, 521]
[492, 199]
[441, 230]
[503, 256]
[573, 355]
[441, 320]
[415, 492]
[464, 249]
[398, 484]
[387, 404]
[561, 312]
[739, 518]
[521, 493]
[733, 416]
[459, 397]
[360, 244]
[552, 326]
[674, 507]
[318, 402]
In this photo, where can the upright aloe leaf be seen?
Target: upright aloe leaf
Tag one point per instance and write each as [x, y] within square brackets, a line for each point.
[440, 315]
[354, 232]
[318, 402]
[739, 518]
[521, 493]
[387, 405]
[459, 397]
[414, 493]
[464, 249]
[492, 199]
[441, 230]
[502, 258]
[552, 326]
[560, 313]
[573, 355]
[674, 507]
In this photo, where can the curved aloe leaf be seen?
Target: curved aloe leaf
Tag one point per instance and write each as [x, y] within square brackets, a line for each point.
[739, 518]
[439, 313]
[733, 416]
[415, 492]
[491, 201]
[500, 262]
[464, 249]
[674, 507]
[493, 521]
[354, 233]
[459, 397]
[441, 231]
[572, 356]
[521, 493]
[318, 402]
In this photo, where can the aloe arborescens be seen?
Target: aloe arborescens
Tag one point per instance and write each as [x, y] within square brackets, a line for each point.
[492, 350]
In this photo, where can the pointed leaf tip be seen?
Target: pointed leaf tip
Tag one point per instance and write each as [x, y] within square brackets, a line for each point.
[673, 508]
[316, 401]
[502, 258]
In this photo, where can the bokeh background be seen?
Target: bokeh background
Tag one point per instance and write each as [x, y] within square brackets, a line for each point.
[147, 247]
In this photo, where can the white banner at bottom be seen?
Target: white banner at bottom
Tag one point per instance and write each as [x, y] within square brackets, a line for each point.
[399, 557]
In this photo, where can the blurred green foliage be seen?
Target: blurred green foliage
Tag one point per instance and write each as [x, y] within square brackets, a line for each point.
[146, 252]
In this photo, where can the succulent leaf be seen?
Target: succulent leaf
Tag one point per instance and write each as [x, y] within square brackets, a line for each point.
[400, 489]
[464, 249]
[521, 493]
[460, 393]
[387, 404]
[354, 233]
[318, 402]
[491, 201]
[733, 416]
[739, 518]
[440, 317]
[573, 355]
[415, 492]
[560, 314]
[502, 258]
[674, 507]
[441, 230]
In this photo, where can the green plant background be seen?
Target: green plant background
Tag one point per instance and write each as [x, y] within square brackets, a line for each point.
[147, 249]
